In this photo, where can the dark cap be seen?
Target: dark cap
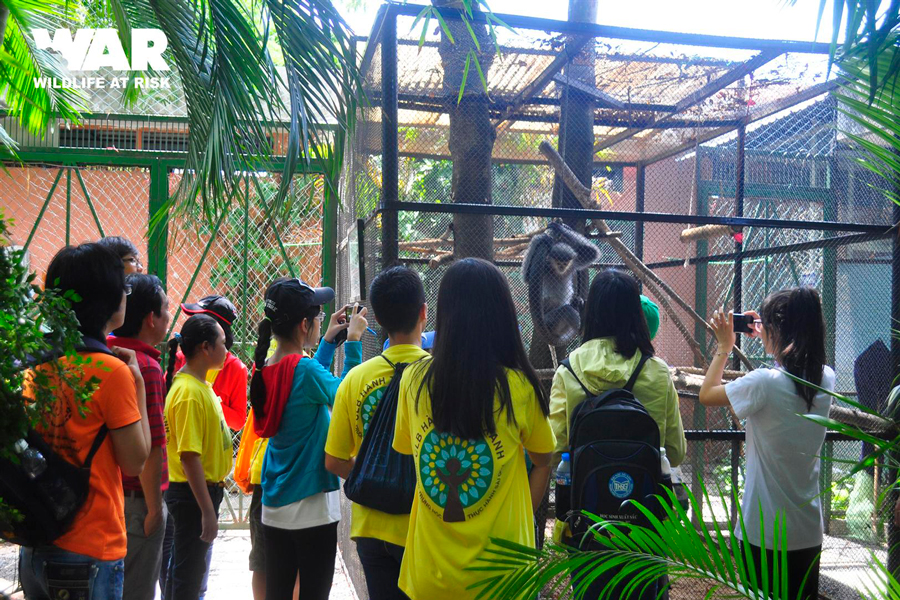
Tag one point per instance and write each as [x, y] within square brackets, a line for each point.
[289, 300]
[215, 306]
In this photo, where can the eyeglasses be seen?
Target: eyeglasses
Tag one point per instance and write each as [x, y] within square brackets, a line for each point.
[321, 316]
[135, 262]
[128, 289]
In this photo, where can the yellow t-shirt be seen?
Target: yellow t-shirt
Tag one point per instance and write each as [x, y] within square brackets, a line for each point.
[467, 491]
[357, 398]
[195, 423]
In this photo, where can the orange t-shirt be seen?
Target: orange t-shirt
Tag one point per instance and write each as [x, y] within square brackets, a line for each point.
[99, 527]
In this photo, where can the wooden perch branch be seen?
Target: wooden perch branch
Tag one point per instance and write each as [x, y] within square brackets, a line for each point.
[656, 286]
[705, 232]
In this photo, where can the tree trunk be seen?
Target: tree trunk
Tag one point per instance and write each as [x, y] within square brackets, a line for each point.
[472, 134]
[576, 146]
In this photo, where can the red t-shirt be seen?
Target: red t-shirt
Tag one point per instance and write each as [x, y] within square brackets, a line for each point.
[155, 387]
[98, 530]
[230, 385]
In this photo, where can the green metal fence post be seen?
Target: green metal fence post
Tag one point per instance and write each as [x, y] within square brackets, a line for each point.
[68, 203]
[43, 210]
[245, 330]
[329, 239]
[158, 237]
[90, 203]
[698, 460]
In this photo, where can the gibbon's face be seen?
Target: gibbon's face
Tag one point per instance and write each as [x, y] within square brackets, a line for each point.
[560, 267]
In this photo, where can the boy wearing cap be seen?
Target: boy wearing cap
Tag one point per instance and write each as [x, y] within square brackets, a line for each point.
[230, 382]
[398, 300]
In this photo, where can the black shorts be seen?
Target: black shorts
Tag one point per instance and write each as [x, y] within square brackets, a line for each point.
[257, 534]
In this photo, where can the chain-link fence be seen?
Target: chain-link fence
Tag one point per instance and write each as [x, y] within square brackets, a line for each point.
[237, 257]
[669, 133]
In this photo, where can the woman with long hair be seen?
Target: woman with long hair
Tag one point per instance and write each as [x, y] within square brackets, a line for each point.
[615, 340]
[199, 453]
[465, 415]
[782, 480]
[291, 396]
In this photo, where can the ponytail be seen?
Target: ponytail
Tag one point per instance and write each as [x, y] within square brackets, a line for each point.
[794, 321]
[196, 331]
[257, 384]
[172, 348]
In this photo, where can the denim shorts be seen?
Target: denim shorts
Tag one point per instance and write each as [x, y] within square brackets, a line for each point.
[49, 573]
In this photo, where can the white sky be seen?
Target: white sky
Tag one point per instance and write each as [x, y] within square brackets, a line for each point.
[741, 18]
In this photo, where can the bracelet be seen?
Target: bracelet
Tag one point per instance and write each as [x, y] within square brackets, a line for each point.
[722, 353]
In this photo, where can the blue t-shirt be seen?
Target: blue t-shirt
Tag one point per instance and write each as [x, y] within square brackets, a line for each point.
[294, 464]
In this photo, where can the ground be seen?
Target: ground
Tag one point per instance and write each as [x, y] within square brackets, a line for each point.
[228, 578]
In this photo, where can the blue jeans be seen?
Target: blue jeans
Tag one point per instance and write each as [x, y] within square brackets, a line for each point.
[187, 563]
[381, 564]
[49, 572]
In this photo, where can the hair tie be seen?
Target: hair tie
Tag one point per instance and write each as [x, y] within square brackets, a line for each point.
[177, 337]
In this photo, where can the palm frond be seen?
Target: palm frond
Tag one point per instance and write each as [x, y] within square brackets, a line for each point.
[635, 557]
[35, 106]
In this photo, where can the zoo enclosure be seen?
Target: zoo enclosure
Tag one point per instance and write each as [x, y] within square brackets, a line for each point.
[687, 130]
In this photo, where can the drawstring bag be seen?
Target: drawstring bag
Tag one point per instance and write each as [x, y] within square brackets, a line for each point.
[382, 478]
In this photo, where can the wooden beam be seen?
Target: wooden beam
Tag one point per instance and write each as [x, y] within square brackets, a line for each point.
[570, 51]
[765, 111]
[700, 95]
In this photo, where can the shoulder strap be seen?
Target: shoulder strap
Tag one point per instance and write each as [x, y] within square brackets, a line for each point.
[568, 365]
[98, 440]
[393, 366]
[89, 344]
[637, 371]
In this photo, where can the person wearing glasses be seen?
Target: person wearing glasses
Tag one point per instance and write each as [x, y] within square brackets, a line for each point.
[90, 554]
[128, 252]
[291, 396]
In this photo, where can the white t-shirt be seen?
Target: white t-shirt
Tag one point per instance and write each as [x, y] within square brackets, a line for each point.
[782, 456]
[319, 509]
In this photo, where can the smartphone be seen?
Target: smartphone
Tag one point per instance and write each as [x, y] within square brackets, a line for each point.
[341, 336]
[743, 323]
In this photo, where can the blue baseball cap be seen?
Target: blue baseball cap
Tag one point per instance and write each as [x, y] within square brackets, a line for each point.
[427, 341]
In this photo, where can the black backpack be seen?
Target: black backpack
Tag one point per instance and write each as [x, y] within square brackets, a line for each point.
[382, 478]
[47, 504]
[614, 445]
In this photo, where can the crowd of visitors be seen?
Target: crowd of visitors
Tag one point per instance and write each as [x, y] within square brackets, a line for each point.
[463, 452]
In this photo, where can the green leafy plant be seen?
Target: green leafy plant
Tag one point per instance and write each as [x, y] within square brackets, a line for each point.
[636, 557]
[36, 325]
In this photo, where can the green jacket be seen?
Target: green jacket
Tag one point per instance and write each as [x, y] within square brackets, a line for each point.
[600, 368]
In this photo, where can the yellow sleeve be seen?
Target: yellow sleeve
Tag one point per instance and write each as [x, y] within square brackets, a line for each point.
[539, 436]
[559, 411]
[186, 425]
[675, 443]
[340, 443]
[402, 440]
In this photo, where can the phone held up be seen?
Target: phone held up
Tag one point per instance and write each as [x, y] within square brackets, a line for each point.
[341, 336]
[744, 323]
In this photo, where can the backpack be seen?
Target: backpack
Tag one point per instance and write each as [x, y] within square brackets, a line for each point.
[47, 504]
[382, 478]
[614, 445]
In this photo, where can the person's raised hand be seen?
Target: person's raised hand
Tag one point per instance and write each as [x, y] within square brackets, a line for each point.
[755, 327]
[723, 328]
[336, 323]
[358, 323]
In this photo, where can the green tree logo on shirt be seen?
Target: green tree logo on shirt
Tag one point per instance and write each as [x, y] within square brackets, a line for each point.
[455, 472]
[367, 410]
